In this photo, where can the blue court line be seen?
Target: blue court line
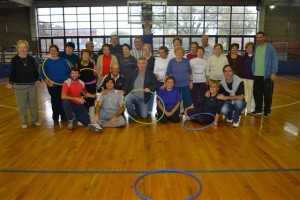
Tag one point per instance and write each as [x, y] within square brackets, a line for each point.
[142, 172]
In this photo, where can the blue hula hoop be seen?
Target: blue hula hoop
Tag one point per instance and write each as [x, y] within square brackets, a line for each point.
[197, 129]
[168, 171]
[144, 123]
[128, 64]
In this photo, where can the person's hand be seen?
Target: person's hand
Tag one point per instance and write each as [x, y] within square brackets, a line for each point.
[147, 90]
[191, 85]
[221, 97]
[121, 92]
[112, 121]
[273, 77]
[80, 100]
[9, 86]
[50, 83]
[37, 83]
[207, 93]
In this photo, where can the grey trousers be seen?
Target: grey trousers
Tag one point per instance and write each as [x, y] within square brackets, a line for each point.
[27, 99]
[106, 116]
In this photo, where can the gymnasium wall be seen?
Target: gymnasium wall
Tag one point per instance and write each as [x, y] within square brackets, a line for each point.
[15, 25]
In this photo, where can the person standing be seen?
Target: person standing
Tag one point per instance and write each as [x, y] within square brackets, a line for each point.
[90, 46]
[215, 64]
[235, 60]
[193, 51]
[69, 55]
[126, 61]
[200, 82]
[248, 77]
[161, 64]
[55, 71]
[265, 67]
[209, 50]
[180, 68]
[137, 51]
[23, 73]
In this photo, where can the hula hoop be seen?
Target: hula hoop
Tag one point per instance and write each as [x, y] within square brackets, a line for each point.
[90, 70]
[168, 171]
[144, 123]
[197, 129]
[128, 64]
[43, 70]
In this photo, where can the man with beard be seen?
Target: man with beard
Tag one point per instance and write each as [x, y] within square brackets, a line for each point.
[110, 107]
[72, 90]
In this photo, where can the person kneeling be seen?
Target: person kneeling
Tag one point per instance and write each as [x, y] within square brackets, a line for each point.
[207, 104]
[73, 102]
[110, 107]
[232, 91]
[171, 99]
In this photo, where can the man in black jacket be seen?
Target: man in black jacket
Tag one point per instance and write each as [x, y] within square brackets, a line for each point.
[136, 102]
[120, 80]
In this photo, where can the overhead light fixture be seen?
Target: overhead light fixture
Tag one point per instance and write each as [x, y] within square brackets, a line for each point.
[272, 6]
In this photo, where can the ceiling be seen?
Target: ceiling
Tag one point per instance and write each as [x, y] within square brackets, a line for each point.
[48, 3]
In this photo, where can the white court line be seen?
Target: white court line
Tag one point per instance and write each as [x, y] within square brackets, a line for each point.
[290, 104]
[15, 108]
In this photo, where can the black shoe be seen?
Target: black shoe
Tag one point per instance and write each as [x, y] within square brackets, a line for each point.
[266, 115]
[256, 113]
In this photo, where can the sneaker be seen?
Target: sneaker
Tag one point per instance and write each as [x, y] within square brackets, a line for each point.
[266, 115]
[95, 127]
[24, 126]
[229, 120]
[236, 124]
[37, 124]
[256, 113]
[70, 125]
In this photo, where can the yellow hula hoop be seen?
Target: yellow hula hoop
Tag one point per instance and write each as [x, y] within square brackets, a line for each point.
[43, 70]
[89, 69]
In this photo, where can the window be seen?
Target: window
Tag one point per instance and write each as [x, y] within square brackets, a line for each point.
[223, 24]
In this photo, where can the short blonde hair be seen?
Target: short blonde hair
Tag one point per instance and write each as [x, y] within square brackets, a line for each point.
[147, 45]
[180, 48]
[214, 82]
[22, 42]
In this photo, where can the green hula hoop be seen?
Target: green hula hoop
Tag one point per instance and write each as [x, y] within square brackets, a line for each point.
[43, 70]
[144, 123]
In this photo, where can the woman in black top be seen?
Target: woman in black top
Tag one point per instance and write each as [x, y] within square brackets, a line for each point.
[24, 72]
[208, 104]
[88, 75]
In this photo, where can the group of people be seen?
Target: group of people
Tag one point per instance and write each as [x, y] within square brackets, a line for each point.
[204, 80]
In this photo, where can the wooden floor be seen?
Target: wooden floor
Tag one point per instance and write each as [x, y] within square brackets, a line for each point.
[258, 160]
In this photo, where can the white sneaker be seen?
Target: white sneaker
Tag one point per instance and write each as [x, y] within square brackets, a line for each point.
[37, 124]
[229, 120]
[237, 124]
[24, 126]
[95, 127]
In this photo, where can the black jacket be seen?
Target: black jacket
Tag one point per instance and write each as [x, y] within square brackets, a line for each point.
[149, 82]
[121, 83]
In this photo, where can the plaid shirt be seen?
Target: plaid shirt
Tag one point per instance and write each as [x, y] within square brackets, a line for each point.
[136, 53]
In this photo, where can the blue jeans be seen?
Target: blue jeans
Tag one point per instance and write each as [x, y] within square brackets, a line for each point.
[236, 106]
[136, 106]
[81, 113]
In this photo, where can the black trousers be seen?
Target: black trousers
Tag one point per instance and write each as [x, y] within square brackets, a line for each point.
[55, 93]
[174, 118]
[262, 92]
[90, 88]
